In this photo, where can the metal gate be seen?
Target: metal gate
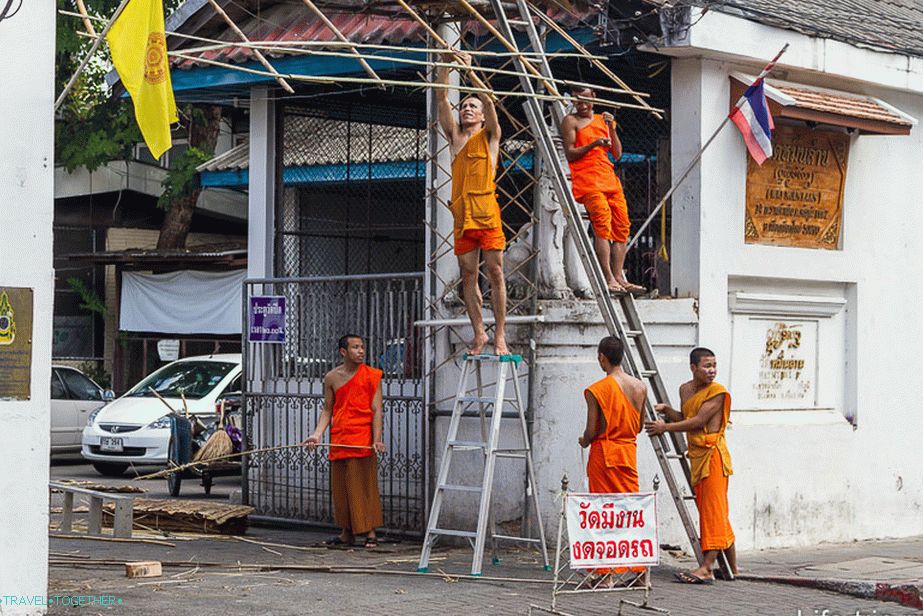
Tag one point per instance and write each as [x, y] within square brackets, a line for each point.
[283, 394]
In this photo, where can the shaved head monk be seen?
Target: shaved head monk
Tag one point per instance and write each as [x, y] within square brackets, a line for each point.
[706, 409]
[352, 409]
[588, 139]
[474, 140]
[613, 421]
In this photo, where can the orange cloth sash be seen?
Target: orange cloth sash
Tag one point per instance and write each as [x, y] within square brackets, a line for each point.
[593, 172]
[612, 465]
[702, 443]
[352, 414]
[474, 200]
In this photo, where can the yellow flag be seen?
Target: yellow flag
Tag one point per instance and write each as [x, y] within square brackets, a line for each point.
[138, 44]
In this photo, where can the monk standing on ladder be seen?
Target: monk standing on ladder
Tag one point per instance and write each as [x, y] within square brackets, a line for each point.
[589, 138]
[706, 410]
[474, 141]
[613, 423]
[353, 409]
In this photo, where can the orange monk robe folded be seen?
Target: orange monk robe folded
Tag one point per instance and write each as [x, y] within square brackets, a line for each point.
[613, 464]
[354, 472]
[710, 466]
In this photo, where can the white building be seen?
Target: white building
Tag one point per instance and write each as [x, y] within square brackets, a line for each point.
[814, 340]
[26, 277]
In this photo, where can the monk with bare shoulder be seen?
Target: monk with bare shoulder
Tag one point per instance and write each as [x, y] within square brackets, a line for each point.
[474, 140]
[353, 410]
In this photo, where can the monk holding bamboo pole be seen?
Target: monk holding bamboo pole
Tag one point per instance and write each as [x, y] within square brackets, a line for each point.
[706, 409]
[353, 410]
[588, 139]
[613, 422]
[474, 140]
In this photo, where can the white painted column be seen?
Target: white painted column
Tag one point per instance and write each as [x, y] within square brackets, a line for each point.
[27, 44]
[262, 187]
[685, 139]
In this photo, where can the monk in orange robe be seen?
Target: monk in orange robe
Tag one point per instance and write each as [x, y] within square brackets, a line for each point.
[706, 410]
[474, 140]
[588, 139]
[613, 422]
[353, 410]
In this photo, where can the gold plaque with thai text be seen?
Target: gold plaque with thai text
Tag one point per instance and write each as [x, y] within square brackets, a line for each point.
[15, 343]
[796, 197]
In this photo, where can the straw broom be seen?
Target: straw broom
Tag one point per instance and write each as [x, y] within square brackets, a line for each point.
[218, 444]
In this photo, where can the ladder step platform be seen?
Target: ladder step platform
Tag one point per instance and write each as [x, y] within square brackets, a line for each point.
[468, 444]
[487, 357]
[460, 488]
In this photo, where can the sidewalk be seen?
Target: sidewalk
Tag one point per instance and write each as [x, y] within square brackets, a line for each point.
[302, 578]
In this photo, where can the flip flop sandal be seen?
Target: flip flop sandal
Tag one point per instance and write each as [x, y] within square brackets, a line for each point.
[370, 544]
[688, 578]
[337, 541]
[634, 289]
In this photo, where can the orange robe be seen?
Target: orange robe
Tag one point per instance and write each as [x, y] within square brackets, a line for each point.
[474, 205]
[596, 186]
[612, 467]
[354, 472]
[710, 466]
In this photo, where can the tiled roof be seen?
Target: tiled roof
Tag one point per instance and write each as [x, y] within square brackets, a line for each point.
[855, 106]
[284, 21]
[888, 25]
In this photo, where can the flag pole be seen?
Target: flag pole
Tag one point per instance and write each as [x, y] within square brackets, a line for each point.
[689, 167]
[86, 58]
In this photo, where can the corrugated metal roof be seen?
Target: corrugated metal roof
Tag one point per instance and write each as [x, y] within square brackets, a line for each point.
[287, 22]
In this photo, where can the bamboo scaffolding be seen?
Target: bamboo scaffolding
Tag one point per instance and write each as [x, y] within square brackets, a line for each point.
[408, 84]
[332, 44]
[259, 56]
[341, 37]
[86, 18]
[269, 46]
[602, 67]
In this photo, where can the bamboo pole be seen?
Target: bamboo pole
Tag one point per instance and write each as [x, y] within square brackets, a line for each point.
[602, 67]
[341, 37]
[86, 18]
[509, 46]
[86, 59]
[407, 84]
[259, 56]
[421, 50]
[383, 58]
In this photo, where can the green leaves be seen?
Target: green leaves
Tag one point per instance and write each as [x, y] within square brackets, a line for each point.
[182, 179]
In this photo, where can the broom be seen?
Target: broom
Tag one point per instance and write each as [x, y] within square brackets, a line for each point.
[218, 444]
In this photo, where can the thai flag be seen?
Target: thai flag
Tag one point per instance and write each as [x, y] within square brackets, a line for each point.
[752, 117]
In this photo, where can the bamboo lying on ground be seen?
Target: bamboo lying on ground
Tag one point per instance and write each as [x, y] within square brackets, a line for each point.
[309, 568]
[115, 539]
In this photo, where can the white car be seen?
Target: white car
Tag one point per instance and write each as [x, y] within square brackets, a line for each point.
[73, 397]
[135, 428]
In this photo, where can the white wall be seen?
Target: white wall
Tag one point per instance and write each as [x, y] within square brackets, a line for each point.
[801, 478]
[26, 204]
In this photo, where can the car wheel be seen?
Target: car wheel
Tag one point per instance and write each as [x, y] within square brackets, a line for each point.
[110, 469]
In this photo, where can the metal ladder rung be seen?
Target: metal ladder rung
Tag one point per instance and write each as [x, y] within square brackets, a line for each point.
[674, 456]
[460, 488]
[510, 454]
[468, 444]
[688, 497]
[512, 538]
[633, 333]
[453, 533]
[647, 373]
[483, 399]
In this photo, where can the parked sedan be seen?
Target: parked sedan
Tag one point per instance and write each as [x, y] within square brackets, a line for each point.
[73, 397]
[135, 428]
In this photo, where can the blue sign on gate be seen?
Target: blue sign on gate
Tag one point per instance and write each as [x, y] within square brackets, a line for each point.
[267, 319]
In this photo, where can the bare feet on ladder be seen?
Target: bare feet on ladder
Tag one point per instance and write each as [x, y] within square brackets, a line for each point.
[477, 345]
[500, 347]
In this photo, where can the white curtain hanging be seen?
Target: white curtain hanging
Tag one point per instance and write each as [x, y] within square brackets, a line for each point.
[185, 302]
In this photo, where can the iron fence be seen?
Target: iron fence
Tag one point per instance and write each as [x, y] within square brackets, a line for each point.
[283, 394]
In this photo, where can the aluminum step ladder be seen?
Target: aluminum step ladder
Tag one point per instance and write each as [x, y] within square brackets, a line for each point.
[639, 357]
[490, 410]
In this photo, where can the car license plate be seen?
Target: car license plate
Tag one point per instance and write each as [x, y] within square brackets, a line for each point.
[108, 443]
